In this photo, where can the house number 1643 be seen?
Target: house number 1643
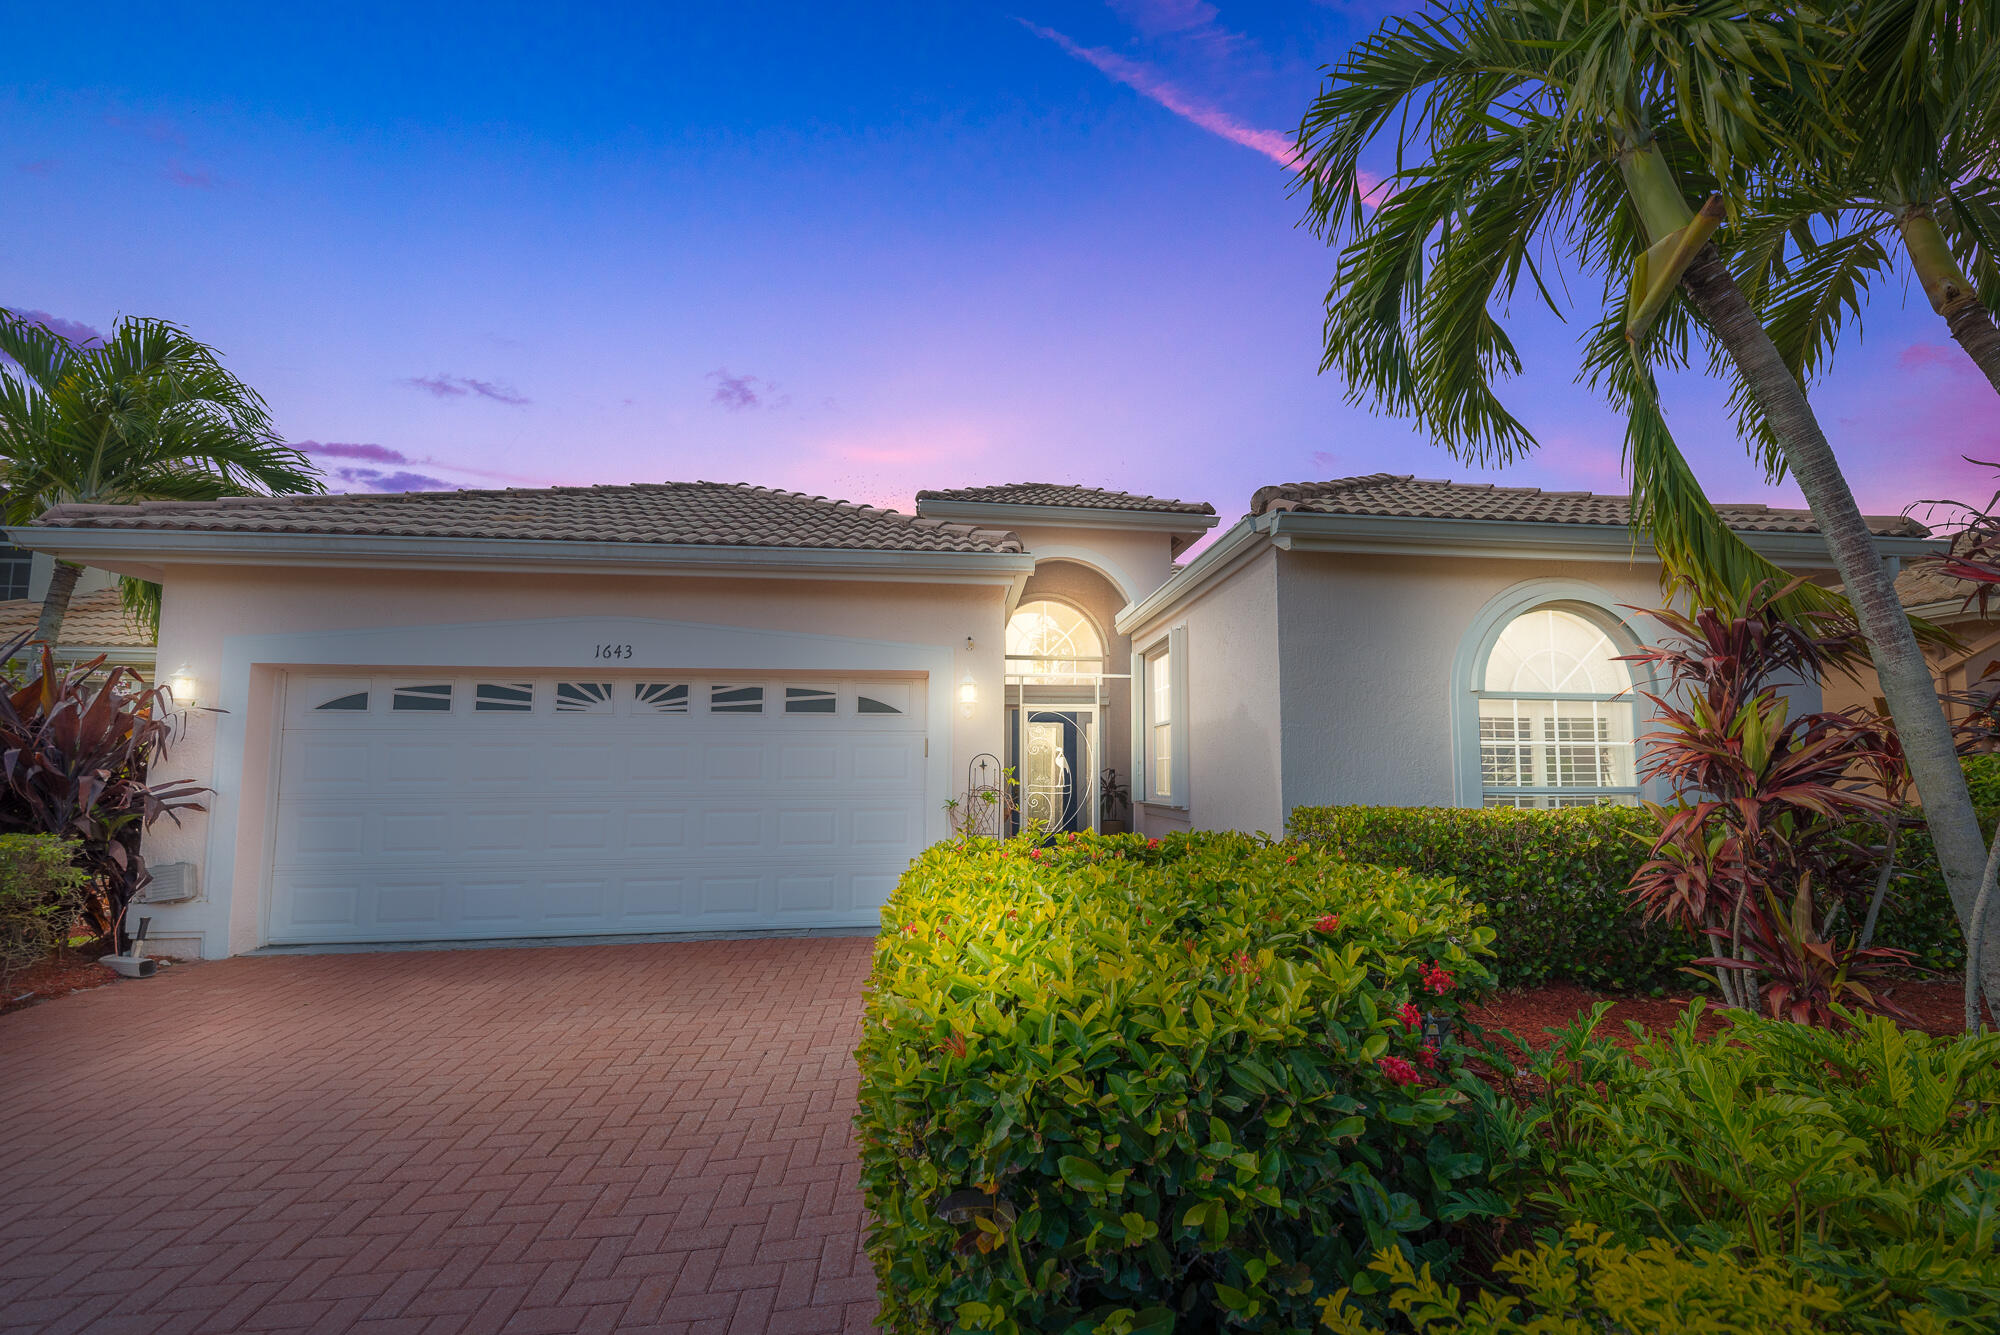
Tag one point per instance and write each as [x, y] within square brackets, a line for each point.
[614, 651]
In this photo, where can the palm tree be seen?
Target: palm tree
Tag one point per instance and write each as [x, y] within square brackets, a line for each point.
[149, 415]
[1526, 128]
[1901, 145]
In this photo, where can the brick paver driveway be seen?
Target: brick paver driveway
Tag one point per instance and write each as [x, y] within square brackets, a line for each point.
[552, 1139]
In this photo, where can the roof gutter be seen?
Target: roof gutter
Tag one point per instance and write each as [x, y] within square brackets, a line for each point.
[148, 552]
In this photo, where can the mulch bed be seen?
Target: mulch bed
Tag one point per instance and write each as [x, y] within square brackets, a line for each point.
[62, 973]
[1530, 1012]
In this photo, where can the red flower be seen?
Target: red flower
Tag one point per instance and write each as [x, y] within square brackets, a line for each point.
[1398, 1070]
[1437, 980]
[1152, 843]
[1034, 852]
[1428, 1056]
[1290, 860]
[1329, 924]
[909, 929]
[1410, 1015]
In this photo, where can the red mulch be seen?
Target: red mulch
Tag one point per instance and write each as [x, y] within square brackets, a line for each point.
[1939, 1008]
[64, 972]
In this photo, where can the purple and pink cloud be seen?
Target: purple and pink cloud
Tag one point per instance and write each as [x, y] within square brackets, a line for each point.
[444, 386]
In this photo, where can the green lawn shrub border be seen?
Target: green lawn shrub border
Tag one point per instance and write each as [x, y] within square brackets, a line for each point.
[1124, 1084]
[1552, 884]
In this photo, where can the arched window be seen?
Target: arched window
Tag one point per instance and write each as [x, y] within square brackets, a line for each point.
[1051, 639]
[1556, 715]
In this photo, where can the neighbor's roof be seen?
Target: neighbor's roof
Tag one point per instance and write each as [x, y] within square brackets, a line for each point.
[1392, 495]
[95, 620]
[719, 514]
[1059, 494]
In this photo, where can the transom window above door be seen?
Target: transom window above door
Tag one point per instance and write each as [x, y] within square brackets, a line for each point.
[1051, 639]
[1557, 715]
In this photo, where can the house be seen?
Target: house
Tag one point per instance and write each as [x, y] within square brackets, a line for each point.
[681, 707]
[97, 625]
[1961, 667]
[1397, 641]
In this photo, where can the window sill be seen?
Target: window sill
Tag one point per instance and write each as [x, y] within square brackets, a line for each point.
[1158, 805]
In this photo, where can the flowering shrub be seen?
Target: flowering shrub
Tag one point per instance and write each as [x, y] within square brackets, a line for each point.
[1139, 1084]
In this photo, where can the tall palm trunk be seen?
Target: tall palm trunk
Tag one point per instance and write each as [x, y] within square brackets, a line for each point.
[55, 603]
[1906, 679]
[1951, 293]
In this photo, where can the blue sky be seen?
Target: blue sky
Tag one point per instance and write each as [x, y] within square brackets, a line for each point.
[855, 250]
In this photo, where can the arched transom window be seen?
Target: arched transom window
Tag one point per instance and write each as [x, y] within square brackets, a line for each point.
[1051, 639]
[1556, 715]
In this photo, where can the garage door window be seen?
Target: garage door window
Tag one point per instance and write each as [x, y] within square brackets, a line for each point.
[660, 697]
[736, 699]
[422, 699]
[808, 700]
[516, 697]
[583, 697]
[356, 701]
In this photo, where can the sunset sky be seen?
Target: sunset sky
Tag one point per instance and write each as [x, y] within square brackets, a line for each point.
[849, 249]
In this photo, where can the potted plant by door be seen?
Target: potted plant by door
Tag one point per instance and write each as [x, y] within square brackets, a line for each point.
[1114, 804]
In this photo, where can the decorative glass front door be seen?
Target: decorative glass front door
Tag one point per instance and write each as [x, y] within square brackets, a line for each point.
[1055, 769]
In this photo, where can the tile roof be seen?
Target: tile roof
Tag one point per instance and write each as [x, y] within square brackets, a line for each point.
[717, 514]
[95, 619]
[1394, 495]
[1056, 493]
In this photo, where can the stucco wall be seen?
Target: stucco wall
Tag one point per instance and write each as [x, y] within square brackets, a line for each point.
[205, 609]
[1370, 645]
[1136, 561]
[1233, 736]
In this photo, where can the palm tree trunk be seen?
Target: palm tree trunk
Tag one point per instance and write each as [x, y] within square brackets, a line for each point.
[1906, 679]
[55, 603]
[1951, 293]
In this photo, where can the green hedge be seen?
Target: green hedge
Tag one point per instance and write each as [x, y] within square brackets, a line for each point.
[1144, 1083]
[41, 894]
[1553, 887]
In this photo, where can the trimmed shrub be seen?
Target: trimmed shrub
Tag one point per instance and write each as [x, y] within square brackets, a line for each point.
[1867, 1161]
[1121, 1084]
[1553, 884]
[41, 895]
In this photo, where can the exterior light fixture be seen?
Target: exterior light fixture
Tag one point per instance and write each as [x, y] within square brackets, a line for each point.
[185, 687]
[968, 695]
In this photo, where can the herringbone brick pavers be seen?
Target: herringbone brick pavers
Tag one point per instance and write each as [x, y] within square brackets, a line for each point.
[558, 1139]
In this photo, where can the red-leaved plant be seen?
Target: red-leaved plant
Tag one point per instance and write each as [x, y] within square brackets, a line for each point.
[75, 744]
[1767, 800]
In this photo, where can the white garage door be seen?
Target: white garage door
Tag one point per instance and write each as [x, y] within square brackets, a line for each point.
[459, 806]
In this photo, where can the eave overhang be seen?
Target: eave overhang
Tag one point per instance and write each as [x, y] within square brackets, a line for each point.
[1379, 535]
[987, 514]
[147, 553]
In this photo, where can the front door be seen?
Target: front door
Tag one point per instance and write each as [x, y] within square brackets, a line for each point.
[1055, 769]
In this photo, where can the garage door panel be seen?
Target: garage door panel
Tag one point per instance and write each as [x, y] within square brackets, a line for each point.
[656, 831]
[618, 812]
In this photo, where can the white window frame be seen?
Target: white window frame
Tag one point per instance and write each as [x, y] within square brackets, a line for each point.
[1173, 646]
[1469, 677]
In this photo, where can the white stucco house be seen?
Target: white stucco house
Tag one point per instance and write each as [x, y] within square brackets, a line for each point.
[704, 707]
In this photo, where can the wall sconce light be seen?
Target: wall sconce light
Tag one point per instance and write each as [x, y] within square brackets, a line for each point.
[968, 695]
[185, 687]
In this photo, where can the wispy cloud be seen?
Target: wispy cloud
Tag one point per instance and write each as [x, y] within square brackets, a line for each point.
[1149, 83]
[341, 449]
[39, 167]
[374, 479]
[76, 331]
[458, 386]
[738, 392]
[191, 178]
